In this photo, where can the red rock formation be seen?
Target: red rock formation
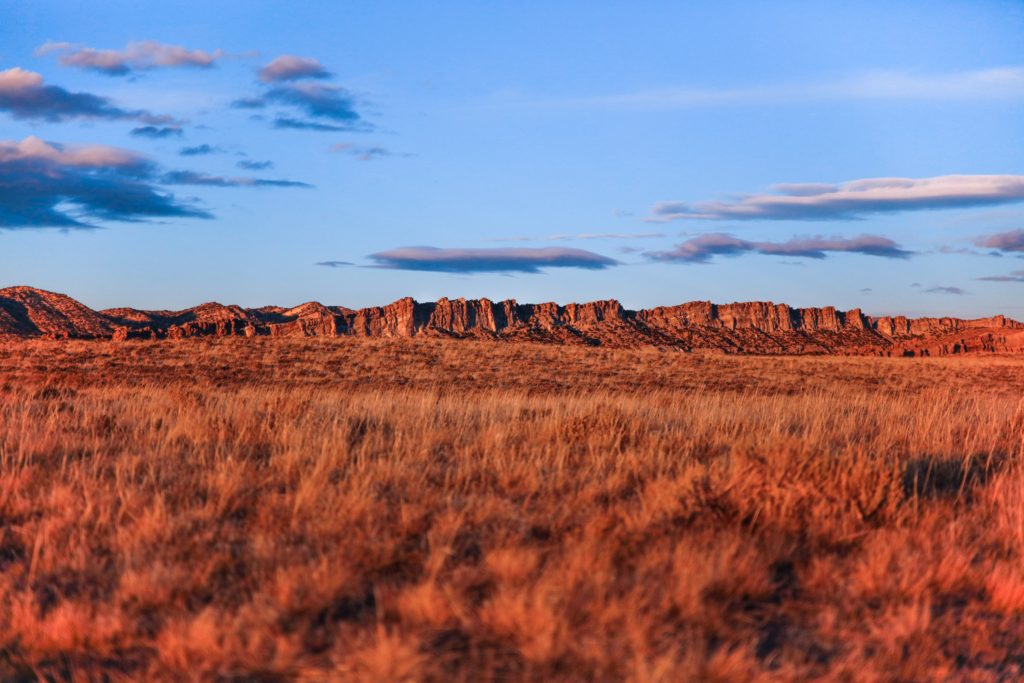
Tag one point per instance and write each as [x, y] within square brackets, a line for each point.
[29, 312]
[754, 327]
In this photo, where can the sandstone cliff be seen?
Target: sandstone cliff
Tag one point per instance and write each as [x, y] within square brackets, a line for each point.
[753, 327]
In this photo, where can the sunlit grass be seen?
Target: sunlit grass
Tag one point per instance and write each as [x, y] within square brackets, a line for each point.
[428, 510]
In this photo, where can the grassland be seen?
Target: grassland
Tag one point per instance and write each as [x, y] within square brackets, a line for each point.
[374, 510]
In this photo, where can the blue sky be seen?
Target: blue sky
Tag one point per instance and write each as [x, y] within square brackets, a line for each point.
[848, 154]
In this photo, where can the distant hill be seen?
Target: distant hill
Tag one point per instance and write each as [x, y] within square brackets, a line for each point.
[751, 328]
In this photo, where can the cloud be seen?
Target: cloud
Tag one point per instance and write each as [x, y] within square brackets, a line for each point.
[255, 165]
[292, 68]
[956, 291]
[1003, 241]
[249, 103]
[324, 107]
[854, 199]
[286, 122]
[45, 184]
[316, 100]
[334, 264]
[703, 248]
[199, 150]
[157, 131]
[360, 152]
[24, 96]
[206, 180]
[1015, 276]
[500, 260]
[138, 56]
[866, 290]
[999, 83]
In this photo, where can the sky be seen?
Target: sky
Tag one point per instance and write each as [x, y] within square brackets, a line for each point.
[870, 154]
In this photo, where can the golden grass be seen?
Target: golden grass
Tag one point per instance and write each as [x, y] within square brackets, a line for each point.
[406, 510]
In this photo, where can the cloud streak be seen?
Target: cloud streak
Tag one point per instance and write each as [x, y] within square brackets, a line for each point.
[360, 152]
[501, 260]
[289, 123]
[1015, 276]
[24, 95]
[199, 150]
[138, 56]
[157, 132]
[999, 83]
[955, 291]
[254, 165]
[703, 248]
[854, 199]
[207, 180]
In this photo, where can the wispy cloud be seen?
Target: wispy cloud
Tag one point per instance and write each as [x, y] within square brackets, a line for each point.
[1015, 276]
[955, 291]
[998, 83]
[500, 260]
[853, 199]
[138, 56]
[199, 150]
[334, 264]
[361, 152]
[207, 180]
[157, 132]
[24, 95]
[45, 184]
[254, 165]
[703, 248]
[288, 123]
[292, 68]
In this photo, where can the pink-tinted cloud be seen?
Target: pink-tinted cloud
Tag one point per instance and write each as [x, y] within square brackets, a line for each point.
[1015, 276]
[853, 199]
[137, 56]
[1012, 240]
[24, 95]
[702, 248]
[292, 68]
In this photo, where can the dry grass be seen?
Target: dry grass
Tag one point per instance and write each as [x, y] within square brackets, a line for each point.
[354, 510]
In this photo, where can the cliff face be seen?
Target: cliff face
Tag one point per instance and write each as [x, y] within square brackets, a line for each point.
[753, 327]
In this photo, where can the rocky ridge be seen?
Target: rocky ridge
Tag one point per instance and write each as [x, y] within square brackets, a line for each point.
[752, 327]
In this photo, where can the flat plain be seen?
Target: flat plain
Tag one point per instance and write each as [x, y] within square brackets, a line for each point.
[425, 509]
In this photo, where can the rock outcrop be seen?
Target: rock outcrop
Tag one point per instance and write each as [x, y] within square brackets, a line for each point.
[30, 312]
[753, 327]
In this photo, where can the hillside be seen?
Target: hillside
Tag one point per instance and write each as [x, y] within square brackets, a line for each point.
[736, 328]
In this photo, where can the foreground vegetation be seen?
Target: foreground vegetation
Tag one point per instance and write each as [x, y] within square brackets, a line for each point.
[347, 510]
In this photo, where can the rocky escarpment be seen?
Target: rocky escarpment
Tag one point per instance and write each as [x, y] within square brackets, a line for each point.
[753, 327]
